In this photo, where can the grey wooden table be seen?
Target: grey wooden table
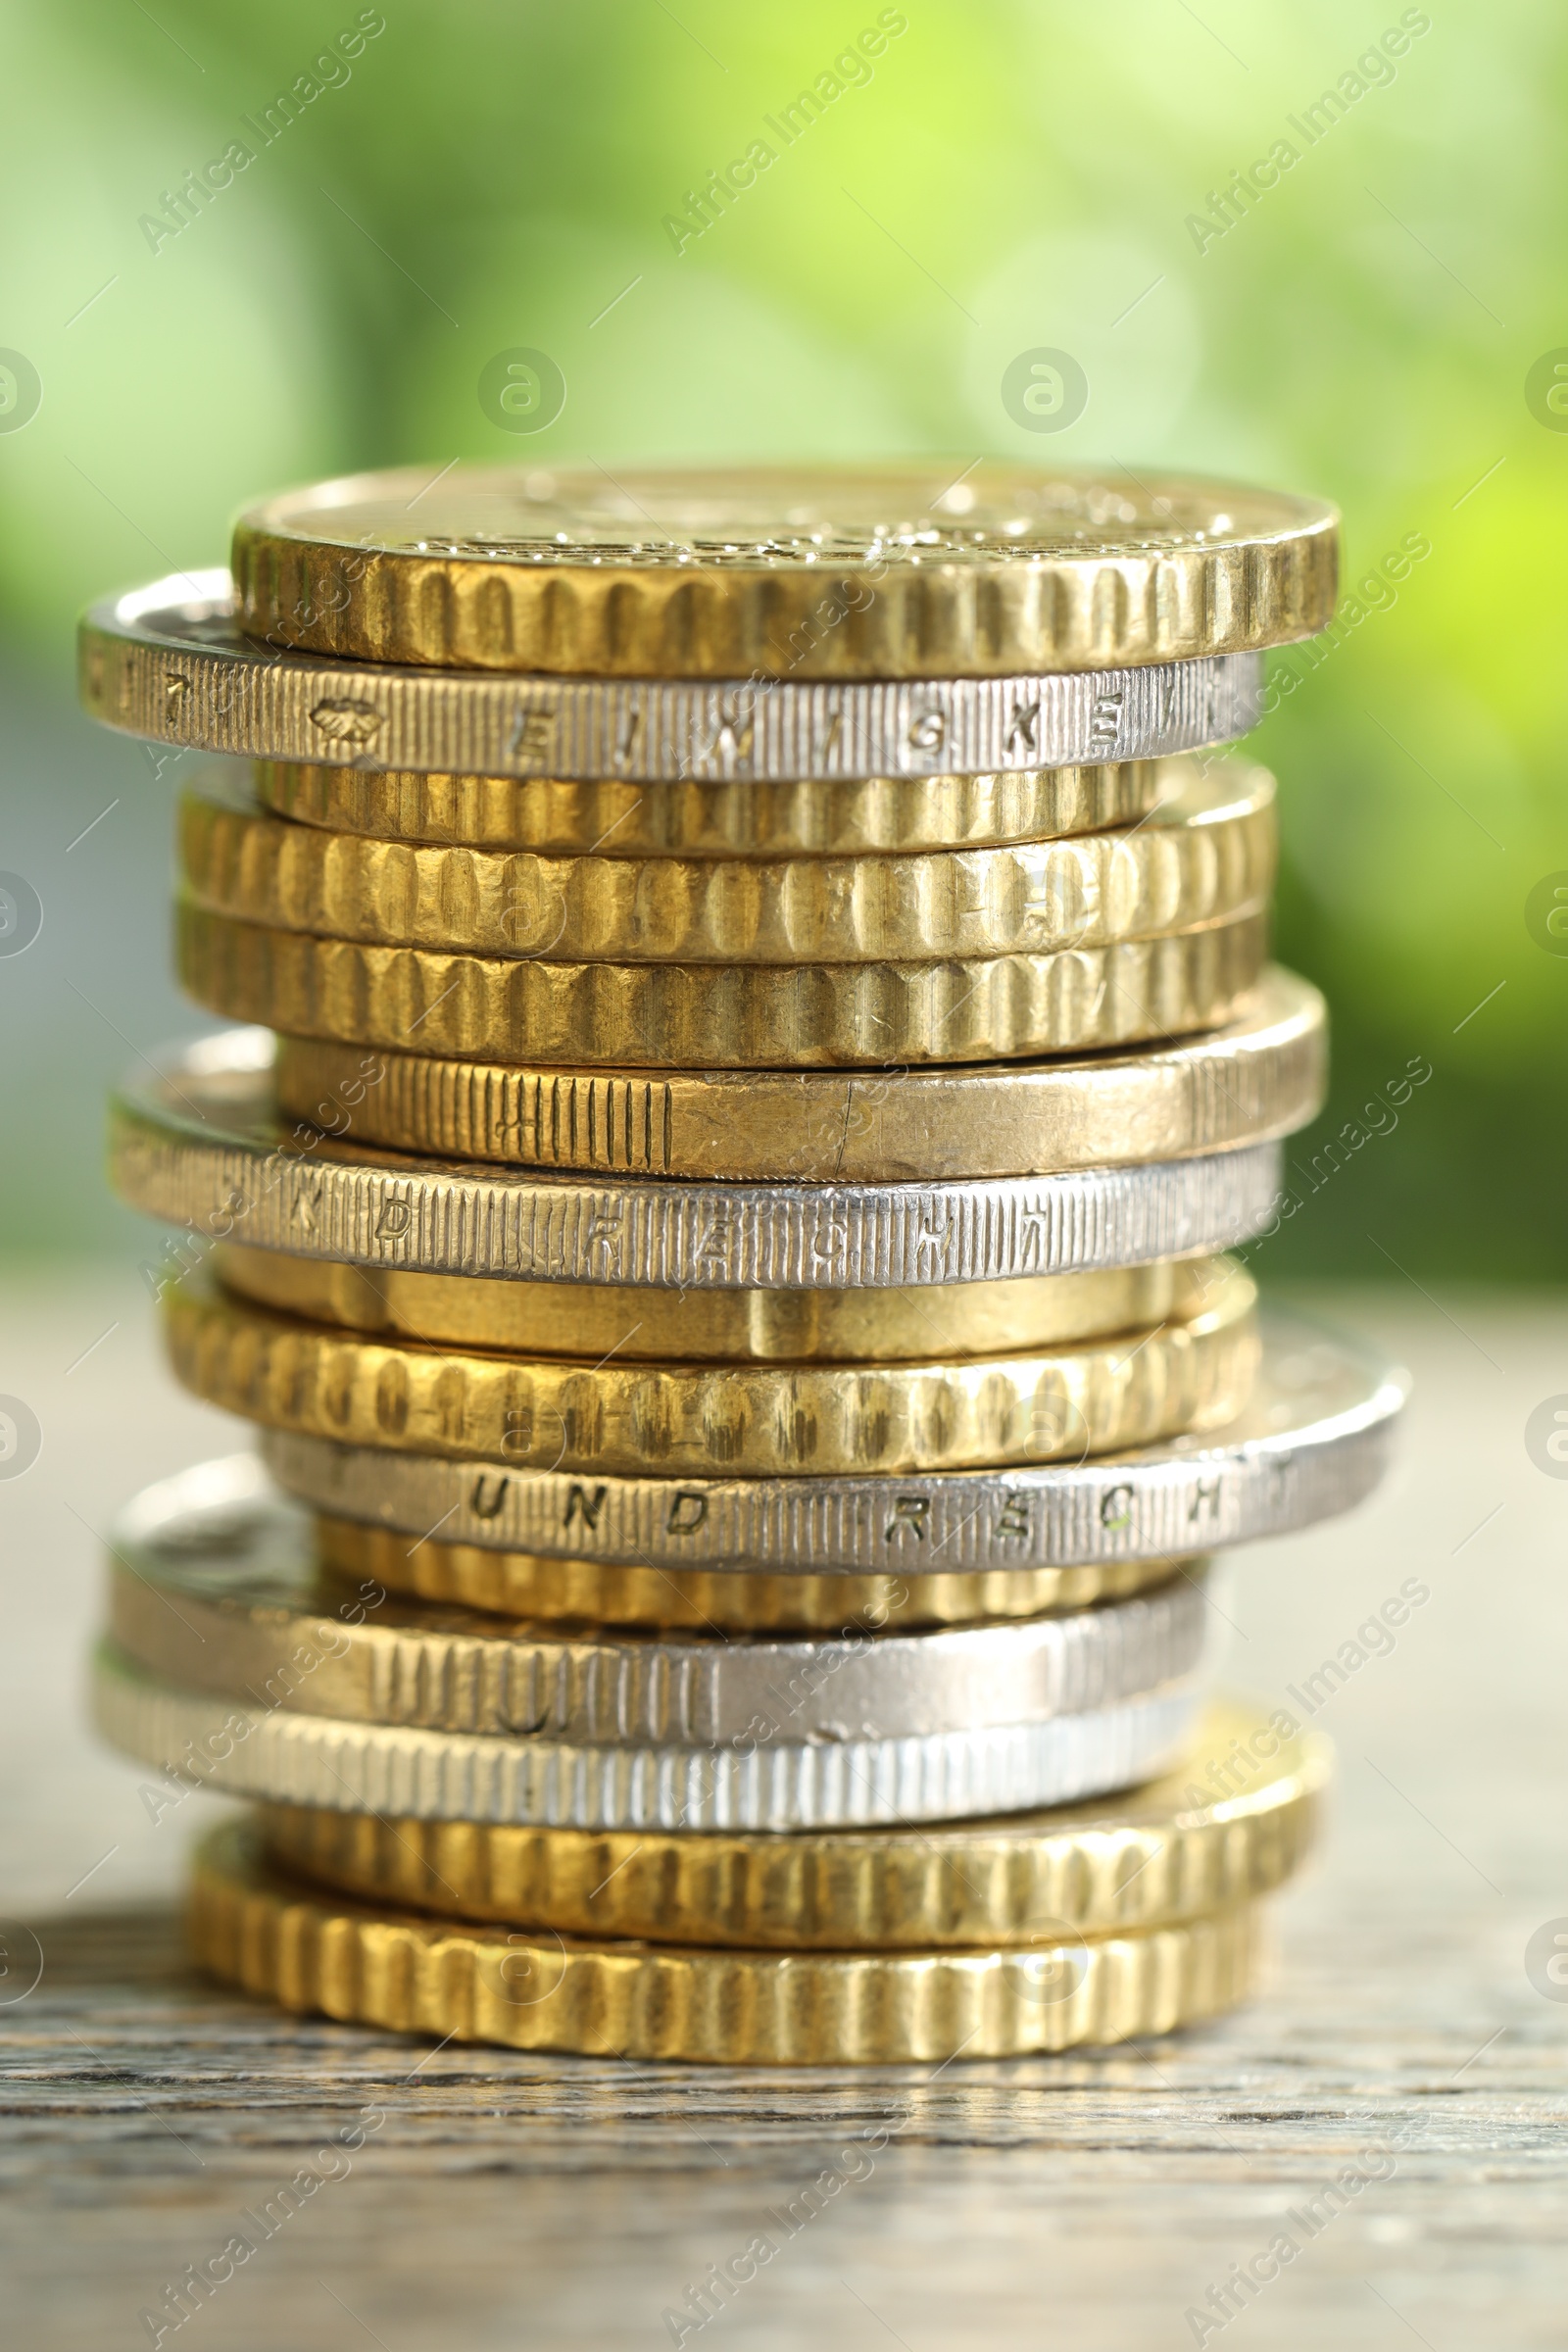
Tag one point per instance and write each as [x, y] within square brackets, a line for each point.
[1087, 2203]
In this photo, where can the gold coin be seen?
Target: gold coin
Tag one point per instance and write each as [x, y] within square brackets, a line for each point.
[1232, 1823]
[1199, 858]
[598, 1319]
[518, 1584]
[804, 572]
[747, 1420]
[274, 1935]
[704, 1017]
[752, 816]
[1261, 1076]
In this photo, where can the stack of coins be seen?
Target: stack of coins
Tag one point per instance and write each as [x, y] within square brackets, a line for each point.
[761, 1037]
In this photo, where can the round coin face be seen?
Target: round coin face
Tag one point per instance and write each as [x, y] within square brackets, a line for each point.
[811, 572]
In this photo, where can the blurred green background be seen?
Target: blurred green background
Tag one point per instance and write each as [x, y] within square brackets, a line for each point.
[1010, 175]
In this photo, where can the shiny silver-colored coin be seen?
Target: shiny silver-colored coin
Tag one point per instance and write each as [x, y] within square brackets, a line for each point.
[213, 1587]
[242, 1748]
[199, 1146]
[168, 662]
[1313, 1442]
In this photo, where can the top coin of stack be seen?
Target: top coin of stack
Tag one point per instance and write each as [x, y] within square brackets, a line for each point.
[773, 1024]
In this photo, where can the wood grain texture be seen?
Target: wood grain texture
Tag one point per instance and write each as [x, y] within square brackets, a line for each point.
[1086, 2202]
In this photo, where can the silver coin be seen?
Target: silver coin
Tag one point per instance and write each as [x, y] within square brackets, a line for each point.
[1313, 1442]
[239, 1749]
[198, 1145]
[213, 1586]
[168, 662]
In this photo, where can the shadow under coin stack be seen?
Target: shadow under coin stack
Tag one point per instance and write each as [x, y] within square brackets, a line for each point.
[762, 1034]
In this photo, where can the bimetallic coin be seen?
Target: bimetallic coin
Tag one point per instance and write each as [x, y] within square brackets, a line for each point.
[854, 817]
[1202, 856]
[280, 1937]
[1232, 1821]
[811, 572]
[213, 1587]
[1264, 1074]
[198, 1144]
[168, 663]
[579, 1590]
[749, 1420]
[1313, 1440]
[254, 1749]
[599, 1319]
[660, 1016]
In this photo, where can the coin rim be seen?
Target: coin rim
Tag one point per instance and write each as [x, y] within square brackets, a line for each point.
[247, 864]
[255, 1927]
[975, 612]
[1189, 1081]
[892, 1325]
[604, 1687]
[786, 1785]
[254, 1361]
[1261, 1487]
[438, 1216]
[1099, 1867]
[718, 1016]
[145, 670]
[1110, 794]
[682, 1600]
